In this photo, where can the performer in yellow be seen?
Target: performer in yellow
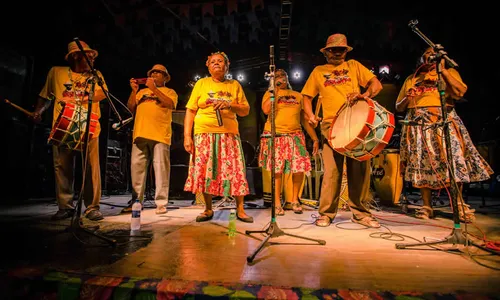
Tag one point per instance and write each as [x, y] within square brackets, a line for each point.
[291, 155]
[152, 137]
[337, 82]
[217, 163]
[71, 85]
[423, 148]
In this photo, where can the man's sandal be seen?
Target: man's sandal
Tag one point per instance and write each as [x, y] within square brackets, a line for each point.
[323, 221]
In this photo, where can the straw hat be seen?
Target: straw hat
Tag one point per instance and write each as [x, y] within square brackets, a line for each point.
[336, 40]
[73, 47]
[162, 69]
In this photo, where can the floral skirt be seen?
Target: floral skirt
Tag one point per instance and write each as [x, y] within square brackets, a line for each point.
[423, 151]
[217, 166]
[290, 156]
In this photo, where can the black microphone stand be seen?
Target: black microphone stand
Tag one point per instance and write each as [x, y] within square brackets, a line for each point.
[456, 236]
[273, 230]
[76, 221]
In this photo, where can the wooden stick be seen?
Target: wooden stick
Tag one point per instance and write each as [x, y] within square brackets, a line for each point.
[20, 108]
[318, 106]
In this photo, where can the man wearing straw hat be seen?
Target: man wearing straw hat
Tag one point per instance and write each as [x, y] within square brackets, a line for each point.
[71, 84]
[152, 137]
[337, 82]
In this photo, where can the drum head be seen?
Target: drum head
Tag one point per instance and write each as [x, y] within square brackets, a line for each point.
[349, 123]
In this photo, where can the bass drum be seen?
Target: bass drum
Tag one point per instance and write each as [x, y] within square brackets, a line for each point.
[386, 176]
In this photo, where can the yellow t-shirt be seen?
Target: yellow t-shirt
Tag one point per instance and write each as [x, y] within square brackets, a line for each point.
[204, 93]
[153, 121]
[288, 105]
[62, 82]
[425, 85]
[333, 83]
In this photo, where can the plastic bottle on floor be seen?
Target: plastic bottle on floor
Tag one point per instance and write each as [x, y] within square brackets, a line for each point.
[135, 222]
[231, 232]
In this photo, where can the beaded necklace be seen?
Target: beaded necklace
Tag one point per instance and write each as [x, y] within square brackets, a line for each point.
[78, 95]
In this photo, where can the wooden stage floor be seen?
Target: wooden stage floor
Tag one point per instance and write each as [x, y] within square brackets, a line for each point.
[174, 246]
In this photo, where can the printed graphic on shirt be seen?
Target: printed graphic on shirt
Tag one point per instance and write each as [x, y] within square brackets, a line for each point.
[149, 98]
[218, 96]
[288, 99]
[420, 87]
[78, 93]
[337, 77]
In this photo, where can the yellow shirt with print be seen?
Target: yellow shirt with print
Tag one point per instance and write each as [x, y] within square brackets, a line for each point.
[205, 92]
[333, 83]
[425, 89]
[153, 121]
[62, 82]
[288, 105]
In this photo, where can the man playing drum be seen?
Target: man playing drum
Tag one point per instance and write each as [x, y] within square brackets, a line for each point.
[337, 82]
[71, 85]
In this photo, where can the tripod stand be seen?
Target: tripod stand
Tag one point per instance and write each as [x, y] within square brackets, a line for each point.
[76, 221]
[273, 230]
[456, 236]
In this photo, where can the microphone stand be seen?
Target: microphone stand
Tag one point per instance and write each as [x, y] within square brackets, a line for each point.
[273, 230]
[76, 221]
[456, 236]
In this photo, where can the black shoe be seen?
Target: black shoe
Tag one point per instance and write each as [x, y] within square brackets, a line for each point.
[94, 215]
[63, 214]
[128, 209]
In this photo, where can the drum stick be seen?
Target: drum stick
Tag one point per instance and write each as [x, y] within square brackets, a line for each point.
[318, 106]
[20, 108]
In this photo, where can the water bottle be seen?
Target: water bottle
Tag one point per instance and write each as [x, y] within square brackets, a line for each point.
[231, 232]
[135, 223]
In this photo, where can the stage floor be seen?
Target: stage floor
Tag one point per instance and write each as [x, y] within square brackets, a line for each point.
[174, 246]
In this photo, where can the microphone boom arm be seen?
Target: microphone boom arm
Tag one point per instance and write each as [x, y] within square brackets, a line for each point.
[437, 47]
[100, 82]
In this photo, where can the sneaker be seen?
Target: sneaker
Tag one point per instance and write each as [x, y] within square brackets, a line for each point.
[94, 215]
[367, 221]
[63, 214]
[160, 210]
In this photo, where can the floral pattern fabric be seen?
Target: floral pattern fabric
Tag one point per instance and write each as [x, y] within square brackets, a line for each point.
[423, 151]
[290, 156]
[217, 166]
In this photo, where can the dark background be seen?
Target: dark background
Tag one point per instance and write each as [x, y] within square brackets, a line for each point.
[133, 35]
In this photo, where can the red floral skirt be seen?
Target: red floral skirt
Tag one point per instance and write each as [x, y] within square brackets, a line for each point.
[290, 156]
[217, 166]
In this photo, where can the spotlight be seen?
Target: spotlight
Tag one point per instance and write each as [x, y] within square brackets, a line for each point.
[197, 77]
[296, 75]
[384, 69]
[229, 76]
[240, 77]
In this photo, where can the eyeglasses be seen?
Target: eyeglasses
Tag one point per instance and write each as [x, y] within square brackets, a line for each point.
[336, 49]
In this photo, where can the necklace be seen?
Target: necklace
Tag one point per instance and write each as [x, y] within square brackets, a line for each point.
[80, 93]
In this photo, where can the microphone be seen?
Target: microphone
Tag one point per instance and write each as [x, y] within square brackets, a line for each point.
[119, 125]
[219, 117]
